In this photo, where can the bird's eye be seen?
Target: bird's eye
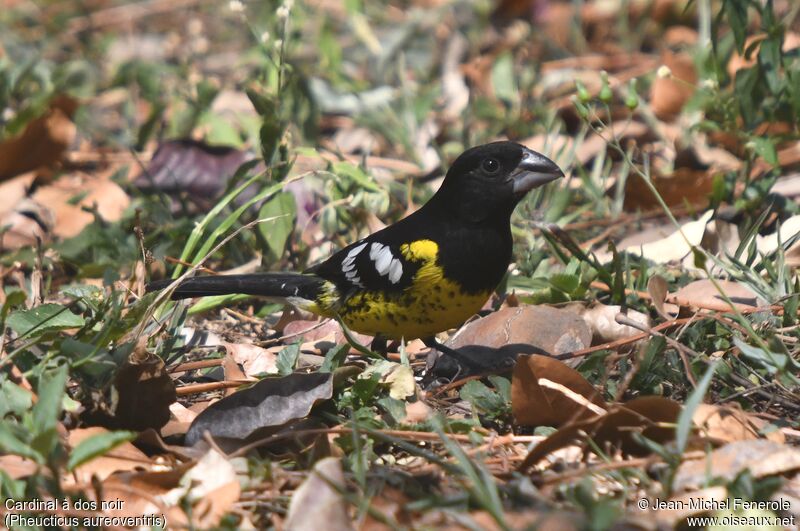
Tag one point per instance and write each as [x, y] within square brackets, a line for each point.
[490, 165]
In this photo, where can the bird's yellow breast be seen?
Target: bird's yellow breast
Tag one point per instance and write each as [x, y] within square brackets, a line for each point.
[431, 304]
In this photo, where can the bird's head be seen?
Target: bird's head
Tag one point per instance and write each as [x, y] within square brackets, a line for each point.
[488, 181]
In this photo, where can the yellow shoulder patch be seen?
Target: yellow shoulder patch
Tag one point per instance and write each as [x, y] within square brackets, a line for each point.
[425, 251]
[420, 251]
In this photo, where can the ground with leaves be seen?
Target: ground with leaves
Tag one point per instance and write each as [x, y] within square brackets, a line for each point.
[638, 366]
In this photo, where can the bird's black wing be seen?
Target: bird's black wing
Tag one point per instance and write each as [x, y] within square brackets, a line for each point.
[373, 264]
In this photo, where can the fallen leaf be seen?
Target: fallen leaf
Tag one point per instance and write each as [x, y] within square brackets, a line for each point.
[534, 402]
[43, 141]
[704, 294]
[657, 288]
[648, 415]
[211, 486]
[137, 493]
[791, 40]
[565, 332]
[390, 502]
[270, 403]
[254, 359]
[17, 467]
[321, 491]
[28, 224]
[124, 457]
[190, 167]
[678, 187]
[94, 191]
[728, 424]
[761, 457]
[143, 392]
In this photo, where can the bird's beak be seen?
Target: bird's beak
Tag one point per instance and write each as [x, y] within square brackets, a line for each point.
[533, 171]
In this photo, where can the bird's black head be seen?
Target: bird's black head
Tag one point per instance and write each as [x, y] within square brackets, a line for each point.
[486, 182]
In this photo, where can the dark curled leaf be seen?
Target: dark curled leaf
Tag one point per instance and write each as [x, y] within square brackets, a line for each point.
[194, 168]
[271, 402]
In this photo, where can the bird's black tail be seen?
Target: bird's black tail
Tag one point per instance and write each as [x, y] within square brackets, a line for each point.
[276, 285]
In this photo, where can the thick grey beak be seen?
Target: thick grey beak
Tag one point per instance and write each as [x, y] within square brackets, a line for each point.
[533, 171]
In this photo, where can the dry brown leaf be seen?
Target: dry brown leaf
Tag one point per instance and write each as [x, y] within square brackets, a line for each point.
[565, 331]
[319, 490]
[28, 224]
[125, 457]
[18, 467]
[211, 486]
[649, 415]
[657, 288]
[704, 294]
[181, 412]
[791, 40]
[762, 457]
[392, 502]
[143, 392]
[254, 359]
[728, 424]
[140, 492]
[43, 141]
[214, 505]
[535, 401]
[683, 185]
[15, 190]
[96, 191]
[233, 372]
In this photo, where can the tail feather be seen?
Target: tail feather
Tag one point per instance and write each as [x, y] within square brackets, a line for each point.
[275, 285]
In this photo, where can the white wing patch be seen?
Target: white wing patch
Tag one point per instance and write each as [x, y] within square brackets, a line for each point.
[349, 265]
[395, 271]
[385, 262]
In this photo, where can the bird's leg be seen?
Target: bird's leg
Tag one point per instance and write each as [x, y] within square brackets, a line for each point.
[432, 342]
[379, 344]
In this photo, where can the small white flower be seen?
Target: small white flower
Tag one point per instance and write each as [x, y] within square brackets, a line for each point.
[289, 4]
[278, 44]
[282, 12]
[663, 72]
[265, 37]
[709, 84]
[236, 6]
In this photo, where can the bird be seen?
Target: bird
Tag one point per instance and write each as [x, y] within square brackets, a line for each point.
[428, 272]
